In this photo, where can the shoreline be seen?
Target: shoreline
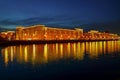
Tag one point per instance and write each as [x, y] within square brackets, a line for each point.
[28, 42]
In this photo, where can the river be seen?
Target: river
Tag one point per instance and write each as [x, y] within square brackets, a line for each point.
[65, 61]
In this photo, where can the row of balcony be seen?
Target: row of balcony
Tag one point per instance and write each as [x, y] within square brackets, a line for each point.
[59, 37]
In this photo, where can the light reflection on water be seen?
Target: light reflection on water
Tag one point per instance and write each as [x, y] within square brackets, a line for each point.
[44, 53]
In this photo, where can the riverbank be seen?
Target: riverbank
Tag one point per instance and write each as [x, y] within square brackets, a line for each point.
[28, 42]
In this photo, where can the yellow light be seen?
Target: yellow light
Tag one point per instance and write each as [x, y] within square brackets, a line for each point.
[34, 53]
[29, 38]
[46, 53]
[11, 53]
[26, 54]
[61, 50]
[6, 56]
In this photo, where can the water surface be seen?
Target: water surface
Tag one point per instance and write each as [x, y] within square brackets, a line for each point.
[80, 60]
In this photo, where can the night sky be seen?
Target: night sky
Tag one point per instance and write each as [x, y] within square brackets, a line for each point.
[87, 14]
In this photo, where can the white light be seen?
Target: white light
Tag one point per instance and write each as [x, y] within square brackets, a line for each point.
[29, 39]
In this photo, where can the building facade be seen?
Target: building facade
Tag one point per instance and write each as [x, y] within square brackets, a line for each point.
[9, 35]
[41, 32]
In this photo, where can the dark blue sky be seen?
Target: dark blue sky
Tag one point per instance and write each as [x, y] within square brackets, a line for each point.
[58, 12]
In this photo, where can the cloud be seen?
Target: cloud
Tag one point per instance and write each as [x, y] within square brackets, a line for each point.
[6, 29]
[7, 22]
[113, 27]
[60, 21]
[49, 21]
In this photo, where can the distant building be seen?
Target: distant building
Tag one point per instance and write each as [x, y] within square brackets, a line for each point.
[93, 31]
[40, 32]
[9, 35]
